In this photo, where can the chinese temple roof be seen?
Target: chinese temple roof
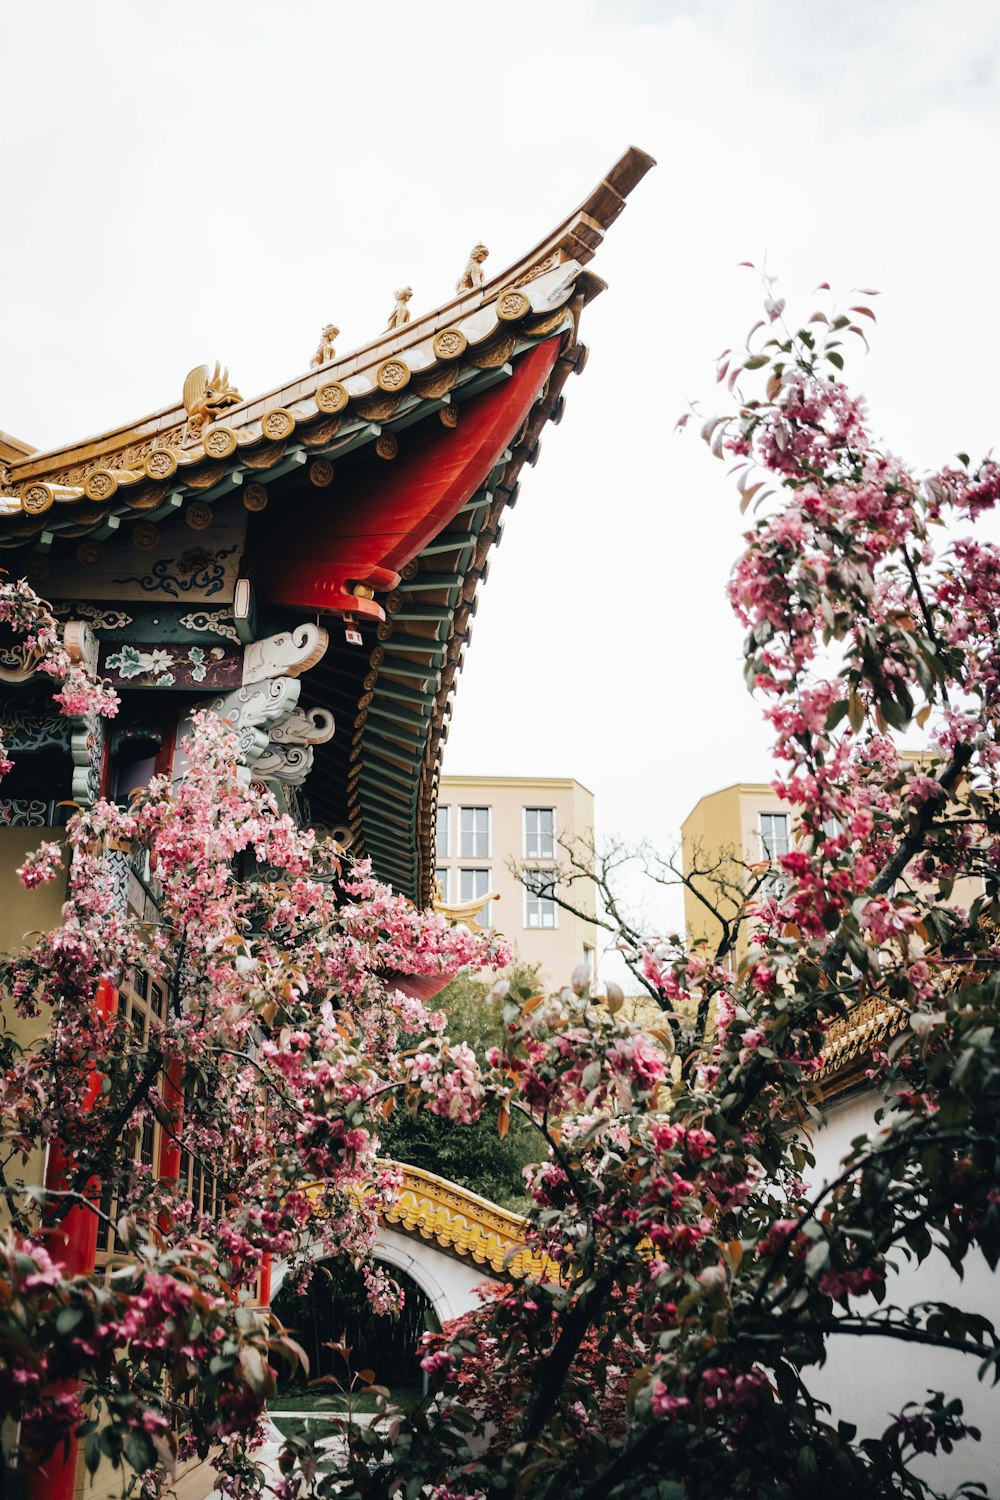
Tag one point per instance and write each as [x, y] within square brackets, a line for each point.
[370, 488]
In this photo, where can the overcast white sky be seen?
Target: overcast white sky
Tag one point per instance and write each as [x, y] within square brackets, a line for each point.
[185, 184]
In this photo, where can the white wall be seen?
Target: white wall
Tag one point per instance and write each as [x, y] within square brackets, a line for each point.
[864, 1380]
[448, 1282]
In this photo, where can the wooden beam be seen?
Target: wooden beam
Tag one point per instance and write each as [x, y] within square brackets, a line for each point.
[387, 689]
[400, 667]
[422, 612]
[430, 645]
[383, 735]
[396, 715]
[449, 541]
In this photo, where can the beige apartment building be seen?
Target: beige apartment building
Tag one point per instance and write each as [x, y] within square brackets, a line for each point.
[486, 825]
[725, 832]
[738, 828]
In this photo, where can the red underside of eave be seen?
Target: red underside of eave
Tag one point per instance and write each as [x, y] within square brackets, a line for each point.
[418, 986]
[376, 517]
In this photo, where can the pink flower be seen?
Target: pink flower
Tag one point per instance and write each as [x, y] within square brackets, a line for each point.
[663, 1404]
[438, 1363]
[41, 865]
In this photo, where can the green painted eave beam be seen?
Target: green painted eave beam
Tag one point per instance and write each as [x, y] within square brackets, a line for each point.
[401, 870]
[480, 501]
[403, 789]
[409, 611]
[366, 433]
[428, 645]
[381, 772]
[229, 482]
[421, 582]
[383, 734]
[386, 689]
[449, 541]
[401, 811]
[398, 666]
[377, 816]
[400, 718]
[390, 758]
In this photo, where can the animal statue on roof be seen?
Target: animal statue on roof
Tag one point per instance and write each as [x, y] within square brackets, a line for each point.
[473, 277]
[206, 395]
[400, 314]
[325, 350]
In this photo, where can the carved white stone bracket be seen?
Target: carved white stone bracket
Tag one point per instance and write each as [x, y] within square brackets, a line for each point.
[81, 645]
[288, 763]
[18, 662]
[252, 744]
[286, 655]
[313, 727]
[264, 703]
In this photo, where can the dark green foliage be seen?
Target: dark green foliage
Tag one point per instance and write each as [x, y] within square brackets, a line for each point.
[334, 1307]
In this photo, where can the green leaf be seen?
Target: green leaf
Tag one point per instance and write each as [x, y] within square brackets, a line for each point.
[806, 1465]
[835, 713]
[69, 1320]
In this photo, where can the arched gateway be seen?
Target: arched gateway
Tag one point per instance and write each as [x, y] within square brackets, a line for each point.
[448, 1240]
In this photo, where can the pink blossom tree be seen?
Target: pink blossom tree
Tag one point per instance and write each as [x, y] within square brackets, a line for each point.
[270, 1066]
[673, 1206]
[691, 1279]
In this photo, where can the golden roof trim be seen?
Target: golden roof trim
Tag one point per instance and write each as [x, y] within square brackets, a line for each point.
[462, 1223]
[852, 1038]
[474, 314]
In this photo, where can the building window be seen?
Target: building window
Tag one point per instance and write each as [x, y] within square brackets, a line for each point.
[773, 835]
[539, 906]
[539, 833]
[140, 1001]
[441, 881]
[474, 832]
[474, 885]
[442, 834]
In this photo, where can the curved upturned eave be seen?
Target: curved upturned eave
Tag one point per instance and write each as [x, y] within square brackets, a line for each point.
[576, 238]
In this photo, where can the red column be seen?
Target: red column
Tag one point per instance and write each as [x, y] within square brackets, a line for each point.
[264, 1283]
[73, 1244]
[169, 1165]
